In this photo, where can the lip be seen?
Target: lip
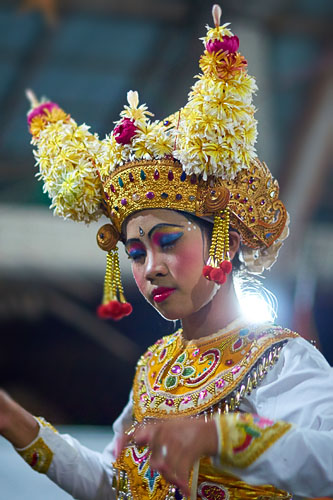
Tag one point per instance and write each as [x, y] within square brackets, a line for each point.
[161, 293]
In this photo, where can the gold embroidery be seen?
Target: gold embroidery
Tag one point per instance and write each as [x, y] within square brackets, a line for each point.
[173, 379]
[245, 437]
[236, 488]
[38, 456]
[244, 358]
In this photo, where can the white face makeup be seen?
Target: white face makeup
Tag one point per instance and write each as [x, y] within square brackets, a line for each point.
[167, 262]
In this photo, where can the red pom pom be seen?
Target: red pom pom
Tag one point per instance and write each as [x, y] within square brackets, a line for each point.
[126, 308]
[114, 310]
[218, 276]
[206, 271]
[226, 266]
[102, 311]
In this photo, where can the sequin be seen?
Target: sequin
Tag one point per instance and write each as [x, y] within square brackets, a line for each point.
[176, 369]
[219, 383]
[203, 394]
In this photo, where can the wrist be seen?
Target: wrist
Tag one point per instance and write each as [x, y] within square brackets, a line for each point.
[211, 437]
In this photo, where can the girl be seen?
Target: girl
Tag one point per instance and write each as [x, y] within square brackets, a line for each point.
[221, 408]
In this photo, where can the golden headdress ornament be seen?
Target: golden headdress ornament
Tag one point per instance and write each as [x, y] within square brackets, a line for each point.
[199, 160]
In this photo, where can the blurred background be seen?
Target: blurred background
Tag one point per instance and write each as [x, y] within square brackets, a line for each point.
[56, 357]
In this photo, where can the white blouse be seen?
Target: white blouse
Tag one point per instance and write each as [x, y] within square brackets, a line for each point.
[298, 389]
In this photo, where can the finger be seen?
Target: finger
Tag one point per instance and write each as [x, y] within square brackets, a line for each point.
[169, 461]
[144, 435]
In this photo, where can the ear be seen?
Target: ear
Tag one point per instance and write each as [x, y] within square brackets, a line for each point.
[234, 242]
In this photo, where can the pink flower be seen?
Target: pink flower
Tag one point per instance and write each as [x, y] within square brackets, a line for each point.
[124, 132]
[229, 44]
[40, 110]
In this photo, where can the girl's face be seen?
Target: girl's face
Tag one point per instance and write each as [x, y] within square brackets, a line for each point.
[168, 253]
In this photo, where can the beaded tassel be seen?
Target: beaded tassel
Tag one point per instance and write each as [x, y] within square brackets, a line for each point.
[114, 304]
[218, 264]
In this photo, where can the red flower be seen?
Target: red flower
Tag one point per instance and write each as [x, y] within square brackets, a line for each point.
[124, 132]
[228, 44]
[40, 110]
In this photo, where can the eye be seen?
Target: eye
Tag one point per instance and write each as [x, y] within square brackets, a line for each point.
[135, 254]
[168, 240]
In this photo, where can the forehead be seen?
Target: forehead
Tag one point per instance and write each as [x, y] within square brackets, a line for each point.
[146, 219]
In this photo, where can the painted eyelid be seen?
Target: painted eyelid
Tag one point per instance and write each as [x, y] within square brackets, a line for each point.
[169, 238]
[134, 250]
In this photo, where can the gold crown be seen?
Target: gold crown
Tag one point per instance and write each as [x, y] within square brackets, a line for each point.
[200, 160]
[252, 196]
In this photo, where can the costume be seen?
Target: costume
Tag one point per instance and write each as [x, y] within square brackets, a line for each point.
[200, 160]
[291, 383]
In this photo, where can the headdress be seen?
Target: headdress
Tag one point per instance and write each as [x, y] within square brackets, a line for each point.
[200, 160]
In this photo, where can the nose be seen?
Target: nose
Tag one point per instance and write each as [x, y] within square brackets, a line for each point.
[155, 265]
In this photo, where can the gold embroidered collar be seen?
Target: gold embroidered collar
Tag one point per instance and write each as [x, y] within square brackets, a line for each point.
[177, 377]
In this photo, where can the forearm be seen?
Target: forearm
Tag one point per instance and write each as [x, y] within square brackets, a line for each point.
[83, 473]
[17, 425]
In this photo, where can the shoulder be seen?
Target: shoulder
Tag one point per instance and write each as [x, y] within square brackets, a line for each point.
[270, 330]
[297, 353]
[299, 388]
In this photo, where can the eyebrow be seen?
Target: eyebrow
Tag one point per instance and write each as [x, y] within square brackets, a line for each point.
[152, 230]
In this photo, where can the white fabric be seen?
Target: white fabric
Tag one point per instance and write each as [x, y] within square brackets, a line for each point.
[84, 473]
[298, 389]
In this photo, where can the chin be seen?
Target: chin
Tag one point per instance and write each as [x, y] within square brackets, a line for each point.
[169, 315]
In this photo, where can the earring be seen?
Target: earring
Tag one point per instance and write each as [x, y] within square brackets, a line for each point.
[114, 305]
[218, 264]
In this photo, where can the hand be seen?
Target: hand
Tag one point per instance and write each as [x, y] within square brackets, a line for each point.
[175, 446]
[16, 424]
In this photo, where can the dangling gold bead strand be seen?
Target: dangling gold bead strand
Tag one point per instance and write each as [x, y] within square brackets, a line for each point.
[226, 255]
[212, 250]
[117, 278]
[108, 281]
[220, 239]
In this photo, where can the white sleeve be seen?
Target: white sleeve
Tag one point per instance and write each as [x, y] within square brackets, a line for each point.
[83, 473]
[298, 390]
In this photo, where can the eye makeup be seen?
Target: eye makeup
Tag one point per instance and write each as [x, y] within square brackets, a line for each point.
[166, 236]
[135, 250]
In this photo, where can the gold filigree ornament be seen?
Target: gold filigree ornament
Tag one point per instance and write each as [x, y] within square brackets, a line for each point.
[200, 160]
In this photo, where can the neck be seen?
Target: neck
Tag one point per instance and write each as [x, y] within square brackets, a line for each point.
[217, 314]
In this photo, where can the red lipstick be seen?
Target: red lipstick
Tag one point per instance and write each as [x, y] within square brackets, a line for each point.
[161, 293]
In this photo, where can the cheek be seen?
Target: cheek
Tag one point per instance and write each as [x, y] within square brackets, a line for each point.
[138, 277]
[188, 263]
